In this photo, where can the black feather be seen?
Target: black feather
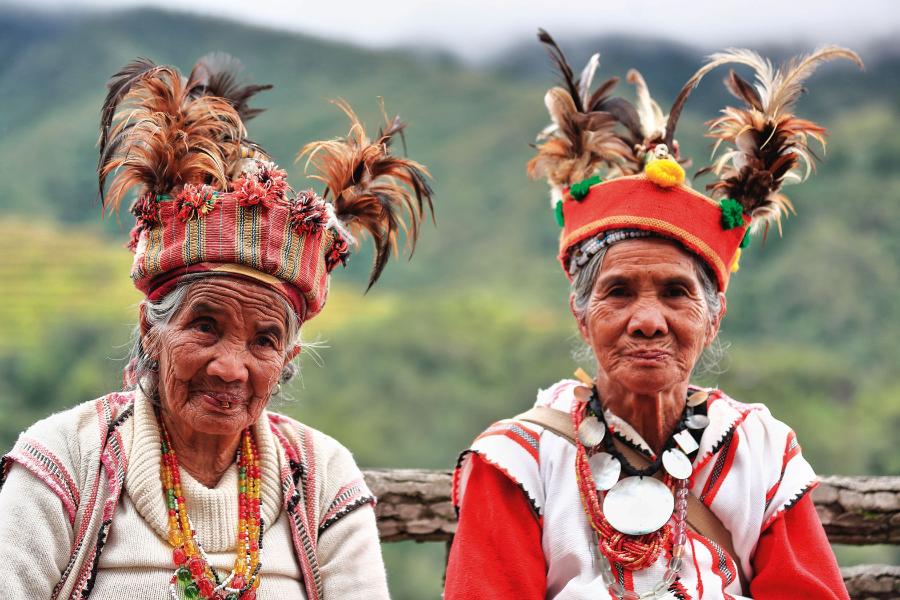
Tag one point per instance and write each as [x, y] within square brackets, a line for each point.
[562, 64]
[217, 74]
[601, 93]
[742, 90]
[625, 113]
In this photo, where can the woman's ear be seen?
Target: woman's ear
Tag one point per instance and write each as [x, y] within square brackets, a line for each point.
[579, 319]
[717, 319]
[292, 353]
[145, 325]
[149, 339]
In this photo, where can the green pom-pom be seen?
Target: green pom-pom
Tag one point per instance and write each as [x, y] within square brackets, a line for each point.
[557, 210]
[579, 190]
[745, 243]
[732, 213]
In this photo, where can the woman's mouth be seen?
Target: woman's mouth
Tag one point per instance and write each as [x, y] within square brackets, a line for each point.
[648, 355]
[220, 401]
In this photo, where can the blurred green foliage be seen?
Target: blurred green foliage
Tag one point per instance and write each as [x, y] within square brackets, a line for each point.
[478, 321]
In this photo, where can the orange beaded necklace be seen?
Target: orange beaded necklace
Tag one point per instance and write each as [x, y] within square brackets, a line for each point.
[194, 576]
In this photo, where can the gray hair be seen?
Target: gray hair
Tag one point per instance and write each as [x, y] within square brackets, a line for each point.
[159, 314]
[583, 286]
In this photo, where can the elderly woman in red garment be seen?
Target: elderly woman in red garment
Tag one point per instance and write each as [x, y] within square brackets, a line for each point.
[634, 483]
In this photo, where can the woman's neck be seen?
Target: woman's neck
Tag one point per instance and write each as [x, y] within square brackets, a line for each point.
[205, 456]
[653, 416]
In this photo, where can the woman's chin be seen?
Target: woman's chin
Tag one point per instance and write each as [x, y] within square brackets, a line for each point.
[215, 420]
[218, 424]
[649, 381]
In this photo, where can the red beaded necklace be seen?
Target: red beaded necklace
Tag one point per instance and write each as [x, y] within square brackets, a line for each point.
[195, 577]
[631, 552]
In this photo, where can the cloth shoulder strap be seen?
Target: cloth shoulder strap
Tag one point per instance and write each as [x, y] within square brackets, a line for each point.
[700, 518]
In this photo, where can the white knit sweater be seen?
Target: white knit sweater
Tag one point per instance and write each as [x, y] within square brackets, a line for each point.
[36, 537]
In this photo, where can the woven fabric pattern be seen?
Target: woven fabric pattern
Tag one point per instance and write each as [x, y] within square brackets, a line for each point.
[260, 238]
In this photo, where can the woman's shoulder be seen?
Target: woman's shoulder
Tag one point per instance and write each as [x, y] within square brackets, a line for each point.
[755, 454]
[326, 465]
[64, 450]
[85, 426]
[306, 439]
[752, 419]
[514, 446]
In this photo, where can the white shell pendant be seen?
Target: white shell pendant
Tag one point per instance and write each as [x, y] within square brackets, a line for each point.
[686, 441]
[677, 464]
[697, 421]
[591, 431]
[697, 398]
[606, 469]
[638, 505]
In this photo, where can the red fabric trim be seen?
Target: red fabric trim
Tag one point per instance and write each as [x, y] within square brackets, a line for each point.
[696, 566]
[791, 449]
[714, 482]
[628, 580]
[165, 283]
[701, 461]
[793, 559]
[496, 552]
[512, 435]
[774, 516]
[714, 556]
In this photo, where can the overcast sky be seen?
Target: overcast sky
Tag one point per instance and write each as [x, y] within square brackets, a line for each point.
[473, 28]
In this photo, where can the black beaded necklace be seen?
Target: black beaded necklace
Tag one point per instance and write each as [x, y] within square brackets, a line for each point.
[595, 408]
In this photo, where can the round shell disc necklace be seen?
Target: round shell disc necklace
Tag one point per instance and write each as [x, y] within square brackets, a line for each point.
[639, 513]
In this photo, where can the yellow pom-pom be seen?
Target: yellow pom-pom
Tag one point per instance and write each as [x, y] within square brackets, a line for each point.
[736, 263]
[664, 172]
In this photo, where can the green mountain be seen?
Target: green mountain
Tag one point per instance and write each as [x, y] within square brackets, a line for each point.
[478, 320]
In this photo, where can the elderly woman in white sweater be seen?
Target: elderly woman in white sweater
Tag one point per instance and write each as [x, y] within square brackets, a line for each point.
[184, 485]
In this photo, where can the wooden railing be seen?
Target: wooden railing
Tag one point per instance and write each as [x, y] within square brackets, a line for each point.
[415, 505]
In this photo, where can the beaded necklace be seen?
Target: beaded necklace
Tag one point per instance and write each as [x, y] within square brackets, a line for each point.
[631, 552]
[194, 577]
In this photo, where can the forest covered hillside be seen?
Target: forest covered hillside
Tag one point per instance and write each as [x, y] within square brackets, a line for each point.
[468, 330]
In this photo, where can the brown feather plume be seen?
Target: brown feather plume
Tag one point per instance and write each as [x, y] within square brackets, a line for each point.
[159, 136]
[585, 131]
[371, 190]
[767, 143]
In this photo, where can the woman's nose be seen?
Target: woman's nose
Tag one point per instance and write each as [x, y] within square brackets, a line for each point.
[228, 365]
[647, 320]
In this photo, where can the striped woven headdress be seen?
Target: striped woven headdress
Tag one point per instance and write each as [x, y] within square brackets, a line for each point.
[210, 200]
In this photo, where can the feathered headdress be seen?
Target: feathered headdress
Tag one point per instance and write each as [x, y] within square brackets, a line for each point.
[372, 191]
[583, 135]
[634, 149]
[767, 146]
[211, 200]
[160, 134]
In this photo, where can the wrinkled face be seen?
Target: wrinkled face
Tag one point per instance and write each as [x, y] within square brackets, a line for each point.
[222, 354]
[647, 321]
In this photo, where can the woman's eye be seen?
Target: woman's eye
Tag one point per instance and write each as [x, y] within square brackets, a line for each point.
[204, 326]
[617, 292]
[676, 292]
[266, 341]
